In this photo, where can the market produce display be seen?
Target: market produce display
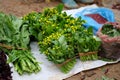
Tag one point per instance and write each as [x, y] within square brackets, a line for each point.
[5, 72]
[62, 38]
[14, 40]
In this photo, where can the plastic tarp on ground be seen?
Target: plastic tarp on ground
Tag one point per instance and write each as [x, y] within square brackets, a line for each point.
[49, 70]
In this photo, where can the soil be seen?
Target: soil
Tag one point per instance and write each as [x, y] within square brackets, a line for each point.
[22, 7]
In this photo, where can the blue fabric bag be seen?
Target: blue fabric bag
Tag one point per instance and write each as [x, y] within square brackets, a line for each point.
[104, 12]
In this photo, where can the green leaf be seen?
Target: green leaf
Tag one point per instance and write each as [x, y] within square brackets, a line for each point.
[97, 38]
[62, 40]
[60, 60]
[52, 51]
[90, 29]
[60, 8]
[86, 50]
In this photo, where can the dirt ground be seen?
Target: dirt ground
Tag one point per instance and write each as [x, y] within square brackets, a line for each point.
[22, 7]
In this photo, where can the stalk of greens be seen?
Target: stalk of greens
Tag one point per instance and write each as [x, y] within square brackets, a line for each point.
[61, 37]
[34, 26]
[14, 39]
[23, 61]
[86, 42]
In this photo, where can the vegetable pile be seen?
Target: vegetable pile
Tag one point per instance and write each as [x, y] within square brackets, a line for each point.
[5, 73]
[110, 30]
[62, 38]
[14, 40]
[110, 36]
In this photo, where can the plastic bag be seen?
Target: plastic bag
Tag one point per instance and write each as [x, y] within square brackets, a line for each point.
[104, 12]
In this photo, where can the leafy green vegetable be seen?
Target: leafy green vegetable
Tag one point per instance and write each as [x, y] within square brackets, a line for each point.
[86, 42]
[109, 30]
[62, 37]
[65, 68]
[23, 61]
[14, 39]
[33, 24]
[12, 31]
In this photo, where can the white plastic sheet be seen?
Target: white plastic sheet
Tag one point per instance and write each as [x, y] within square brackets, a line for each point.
[49, 70]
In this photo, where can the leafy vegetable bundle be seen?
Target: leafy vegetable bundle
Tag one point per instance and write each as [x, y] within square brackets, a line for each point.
[62, 37]
[14, 40]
